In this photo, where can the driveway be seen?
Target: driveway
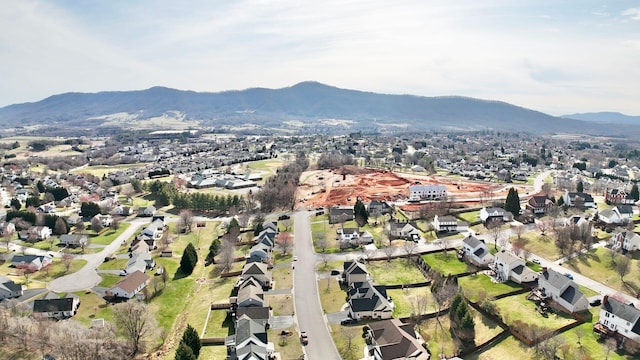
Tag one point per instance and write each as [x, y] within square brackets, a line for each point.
[87, 277]
[310, 317]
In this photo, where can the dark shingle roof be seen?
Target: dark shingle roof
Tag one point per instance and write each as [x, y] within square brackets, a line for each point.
[53, 305]
[618, 308]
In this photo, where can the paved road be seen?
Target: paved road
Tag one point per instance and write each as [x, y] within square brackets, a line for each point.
[310, 317]
[87, 277]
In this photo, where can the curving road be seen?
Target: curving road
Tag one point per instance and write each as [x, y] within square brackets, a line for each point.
[86, 278]
[310, 317]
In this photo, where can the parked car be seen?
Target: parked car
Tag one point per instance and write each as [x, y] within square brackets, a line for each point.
[596, 302]
[348, 321]
[304, 338]
[535, 261]
[123, 272]
[568, 275]
[335, 272]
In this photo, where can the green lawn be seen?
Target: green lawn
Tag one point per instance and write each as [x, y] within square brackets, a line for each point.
[509, 348]
[411, 301]
[108, 280]
[283, 277]
[57, 270]
[471, 216]
[281, 304]
[435, 333]
[445, 263]
[288, 346]
[92, 307]
[116, 264]
[517, 307]
[597, 266]
[543, 246]
[332, 297]
[101, 170]
[479, 286]
[107, 236]
[394, 272]
[348, 340]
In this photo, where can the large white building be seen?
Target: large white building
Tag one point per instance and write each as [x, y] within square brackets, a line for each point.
[621, 317]
[427, 192]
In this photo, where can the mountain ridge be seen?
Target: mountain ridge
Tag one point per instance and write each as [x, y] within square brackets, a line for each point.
[308, 102]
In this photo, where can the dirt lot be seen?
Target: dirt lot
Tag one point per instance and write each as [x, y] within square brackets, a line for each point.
[342, 186]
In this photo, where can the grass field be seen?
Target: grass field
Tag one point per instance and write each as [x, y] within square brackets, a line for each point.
[411, 301]
[394, 272]
[332, 297]
[107, 236]
[543, 246]
[479, 286]
[445, 263]
[288, 346]
[101, 170]
[517, 307]
[348, 340]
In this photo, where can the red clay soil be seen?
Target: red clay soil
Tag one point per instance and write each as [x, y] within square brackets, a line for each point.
[342, 186]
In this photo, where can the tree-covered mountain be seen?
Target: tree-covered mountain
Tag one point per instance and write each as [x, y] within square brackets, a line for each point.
[306, 107]
[606, 117]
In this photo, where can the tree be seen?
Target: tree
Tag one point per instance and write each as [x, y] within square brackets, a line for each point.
[189, 259]
[409, 248]
[184, 352]
[61, 227]
[67, 259]
[321, 240]
[388, 250]
[186, 220]
[213, 251]
[284, 242]
[89, 209]
[622, 266]
[360, 213]
[96, 224]
[580, 187]
[26, 269]
[512, 203]
[115, 223]
[227, 255]
[635, 194]
[135, 322]
[192, 340]
[495, 229]
[233, 229]
[15, 203]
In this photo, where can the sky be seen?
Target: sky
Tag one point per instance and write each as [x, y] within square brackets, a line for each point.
[555, 56]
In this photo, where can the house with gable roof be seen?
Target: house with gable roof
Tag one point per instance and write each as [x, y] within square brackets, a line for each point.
[249, 342]
[494, 214]
[620, 317]
[403, 230]
[392, 339]
[56, 308]
[128, 287]
[571, 197]
[369, 301]
[354, 272]
[618, 196]
[338, 214]
[562, 290]
[510, 267]
[260, 272]
[448, 223]
[625, 239]
[9, 289]
[539, 204]
[476, 251]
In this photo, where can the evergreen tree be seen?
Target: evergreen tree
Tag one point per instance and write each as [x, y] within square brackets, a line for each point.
[635, 194]
[512, 203]
[89, 209]
[184, 352]
[40, 186]
[580, 187]
[213, 250]
[360, 213]
[15, 203]
[258, 229]
[189, 259]
[192, 340]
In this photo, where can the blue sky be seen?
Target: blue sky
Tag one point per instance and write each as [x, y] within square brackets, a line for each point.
[554, 56]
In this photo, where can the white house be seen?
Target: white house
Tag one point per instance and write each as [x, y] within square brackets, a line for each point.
[620, 317]
[571, 197]
[494, 214]
[563, 291]
[476, 251]
[36, 261]
[354, 272]
[9, 289]
[427, 192]
[510, 267]
[627, 240]
[447, 223]
[369, 301]
[129, 286]
[57, 308]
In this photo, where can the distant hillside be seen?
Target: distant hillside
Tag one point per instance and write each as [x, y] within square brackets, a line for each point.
[307, 107]
[606, 117]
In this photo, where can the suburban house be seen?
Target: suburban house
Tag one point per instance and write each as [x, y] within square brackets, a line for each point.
[510, 267]
[154, 230]
[448, 223]
[586, 199]
[476, 251]
[339, 214]
[403, 230]
[627, 240]
[7, 228]
[369, 301]
[379, 207]
[427, 192]
[73, 240]
[56, 308]
[250, 341]
[494, 214]
[36, 261]
[562, 290]
[260, 315]
[392, 339]
[354, 272]
[539, 204]
[250, 294]
[352, 236]
[617, 215]
[348, 234]
[35, 233]
[576, 220]
[129, 286]
[620, 317]
[9, 289]
[147, 211]
[121, 210]
[617, 196]
[260, 272]
[260, 252]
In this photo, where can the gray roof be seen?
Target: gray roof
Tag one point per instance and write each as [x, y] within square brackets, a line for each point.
[247, 328]
[618, 308]
[472, 241]
[555, 279]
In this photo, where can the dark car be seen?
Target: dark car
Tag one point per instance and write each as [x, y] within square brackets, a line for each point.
[348, 321]
[569, 276]
[284, 217]
[596, 302]
[335, 272]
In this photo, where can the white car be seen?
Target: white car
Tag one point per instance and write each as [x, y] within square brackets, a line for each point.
[535, 261]
[295, 258]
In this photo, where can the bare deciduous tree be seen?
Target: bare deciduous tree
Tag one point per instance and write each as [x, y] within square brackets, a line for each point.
[388, 250]
[226, 256]
[519, 230]
[67, 259]
[622, 266]
[186, 220]
[135, 322]
[409, 248]
[284, 242]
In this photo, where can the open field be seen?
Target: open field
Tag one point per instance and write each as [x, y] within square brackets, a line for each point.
[599, 266]
[101, 170]
[513, 308]
[332, 296]
[445, 263]
[479, 286]
[394, 272]
[407, 301]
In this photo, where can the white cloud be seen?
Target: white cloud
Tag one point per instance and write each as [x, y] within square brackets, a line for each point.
[633, 13]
